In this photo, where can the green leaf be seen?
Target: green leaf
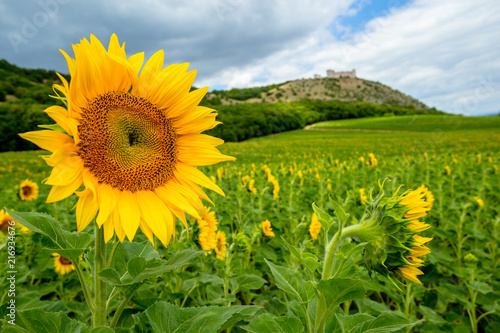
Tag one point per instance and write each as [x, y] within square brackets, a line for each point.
[246, 282]
[110, 276]
[386, 322]
[336, 290]
[292, 283]
[323, 217]
[307, 259]
[136, 265]
[140, 269]
[271, 324]
[339, 211]
[163, 317]
[431, 316]
[482, 287]
[39, 321]
[68, 244]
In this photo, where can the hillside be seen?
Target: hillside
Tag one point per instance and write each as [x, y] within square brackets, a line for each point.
[245, 113]
[413, 123]
[325, 89]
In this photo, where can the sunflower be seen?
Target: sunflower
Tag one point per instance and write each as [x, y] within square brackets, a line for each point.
[207, 226]
[132, 139]
[221, 247]
[62, 265]
[314, 227]
[267, 229]
[28, 190]
[5, 218]
[392, 230]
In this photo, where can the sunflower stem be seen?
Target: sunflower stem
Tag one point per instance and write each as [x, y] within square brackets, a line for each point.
[99, 318]
[123, 304]
[86, 293]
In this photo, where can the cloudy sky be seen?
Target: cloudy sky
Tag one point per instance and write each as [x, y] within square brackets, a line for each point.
[444, 52]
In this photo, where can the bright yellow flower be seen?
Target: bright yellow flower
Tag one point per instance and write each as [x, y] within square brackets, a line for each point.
[28, 190]
[245, 179]
[479, 201]
[373, 160]
[362, 196]
[251, 188]
[221, 247]
[314, 227]
[5, 218]
[133, 139]
[207, 226]
[478, 159]
[267, 229]
[448, 170]
[62, 265]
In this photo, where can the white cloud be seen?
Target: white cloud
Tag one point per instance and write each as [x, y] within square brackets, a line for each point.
[439, 52]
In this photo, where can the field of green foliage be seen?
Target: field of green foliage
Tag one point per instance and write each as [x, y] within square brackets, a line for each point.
[270, 280]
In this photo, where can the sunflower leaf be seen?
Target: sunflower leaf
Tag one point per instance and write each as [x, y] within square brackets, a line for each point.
[270, 324]
[165, 317]
[40, 321]
[68, 244]
[292, 283]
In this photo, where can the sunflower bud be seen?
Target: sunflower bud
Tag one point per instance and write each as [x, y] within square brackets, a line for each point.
[392, 230]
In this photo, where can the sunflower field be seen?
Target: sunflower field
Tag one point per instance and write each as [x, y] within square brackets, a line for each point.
[309, 231]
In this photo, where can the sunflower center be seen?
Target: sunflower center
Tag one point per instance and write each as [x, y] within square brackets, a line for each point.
[64, 261]
[127, 142]
[26, 190]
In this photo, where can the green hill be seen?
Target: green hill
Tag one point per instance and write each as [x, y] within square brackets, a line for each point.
[325, 89]
[245, 113]
[414, 123]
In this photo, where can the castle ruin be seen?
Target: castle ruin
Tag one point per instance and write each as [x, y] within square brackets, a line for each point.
[333, 74]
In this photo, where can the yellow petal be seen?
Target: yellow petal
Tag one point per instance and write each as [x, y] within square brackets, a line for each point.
[172, 197]
[107, 203]
[86, 209]
[58, 193]
[48, 140]
[155, 215]
[130, 215]
[191, 174]
[62, 118]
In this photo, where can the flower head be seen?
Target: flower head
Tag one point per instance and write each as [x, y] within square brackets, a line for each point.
[62, 265]
[28, 190]
[207, 226]
[221, 247]
[393, 232]
[267, 229]
[5, 221]
[362, 196]
[132, 139]
[314, 227]
[479, 201]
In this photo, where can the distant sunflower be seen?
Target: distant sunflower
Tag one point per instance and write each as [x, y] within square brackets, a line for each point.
[5, 218]
[314, 227]
[207, 226]
[221, 247]
[267, 228]
[133, 139]
[28, 190]
[62, 265]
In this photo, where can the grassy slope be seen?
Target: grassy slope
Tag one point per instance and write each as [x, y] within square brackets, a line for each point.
[420, 123]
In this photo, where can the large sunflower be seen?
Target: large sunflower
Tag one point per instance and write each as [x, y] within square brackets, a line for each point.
[132, 138]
